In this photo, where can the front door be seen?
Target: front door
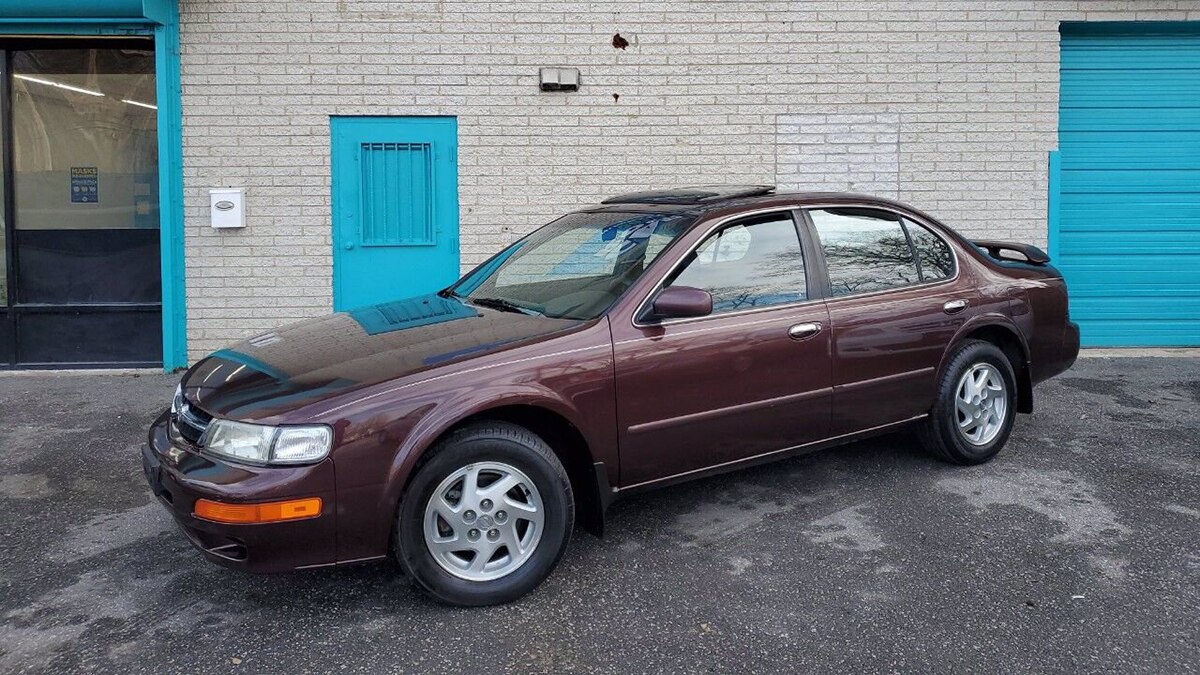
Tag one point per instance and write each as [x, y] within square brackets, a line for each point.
[80, 280]
[395, 208]
[749, 379]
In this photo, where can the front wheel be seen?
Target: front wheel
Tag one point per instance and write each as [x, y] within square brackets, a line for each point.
[975, 408]
[486, 517]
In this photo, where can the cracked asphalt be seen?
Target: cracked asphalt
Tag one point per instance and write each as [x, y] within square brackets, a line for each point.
[1076, 550]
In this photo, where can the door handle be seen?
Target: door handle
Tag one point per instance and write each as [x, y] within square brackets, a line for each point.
[954, 306]
[803, 331]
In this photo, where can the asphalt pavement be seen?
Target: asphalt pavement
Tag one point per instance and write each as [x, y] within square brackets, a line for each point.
[1076, 550]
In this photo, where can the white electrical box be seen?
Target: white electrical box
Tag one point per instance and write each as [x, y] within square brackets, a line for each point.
[227, 207]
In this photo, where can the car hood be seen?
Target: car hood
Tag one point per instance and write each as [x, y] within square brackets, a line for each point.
[306, 362]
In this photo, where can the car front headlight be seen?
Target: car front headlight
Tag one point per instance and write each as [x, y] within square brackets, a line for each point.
[177, 400]
[261, 444]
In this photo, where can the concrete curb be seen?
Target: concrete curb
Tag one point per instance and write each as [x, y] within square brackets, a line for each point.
[1139, 352]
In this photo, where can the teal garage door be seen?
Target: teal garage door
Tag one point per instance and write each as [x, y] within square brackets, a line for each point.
[1128, 214]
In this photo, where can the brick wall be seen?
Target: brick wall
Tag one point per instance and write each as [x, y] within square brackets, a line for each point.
[951, 106]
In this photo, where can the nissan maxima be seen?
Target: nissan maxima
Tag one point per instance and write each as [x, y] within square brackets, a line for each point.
[654, 338]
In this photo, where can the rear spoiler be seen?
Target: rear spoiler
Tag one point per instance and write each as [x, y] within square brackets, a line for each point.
[1032, 254]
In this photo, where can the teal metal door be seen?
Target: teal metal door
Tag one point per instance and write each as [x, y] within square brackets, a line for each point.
[395, 207]
[1128, 220]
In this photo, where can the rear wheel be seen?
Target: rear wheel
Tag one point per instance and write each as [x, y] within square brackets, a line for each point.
[976, 405]
[487, 517]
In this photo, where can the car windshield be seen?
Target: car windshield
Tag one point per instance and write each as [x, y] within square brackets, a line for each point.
[575, 267]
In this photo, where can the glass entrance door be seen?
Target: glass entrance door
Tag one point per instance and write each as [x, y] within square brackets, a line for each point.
[82, 284]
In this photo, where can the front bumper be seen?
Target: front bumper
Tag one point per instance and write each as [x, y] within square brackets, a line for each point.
[178, 475]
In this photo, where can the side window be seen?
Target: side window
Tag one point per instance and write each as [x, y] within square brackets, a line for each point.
[756, 263]
[864, 250]
[937, 262]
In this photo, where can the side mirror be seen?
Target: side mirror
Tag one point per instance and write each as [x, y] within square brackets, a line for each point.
[681, 302]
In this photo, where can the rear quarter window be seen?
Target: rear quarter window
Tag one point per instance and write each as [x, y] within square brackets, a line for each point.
[937, 260]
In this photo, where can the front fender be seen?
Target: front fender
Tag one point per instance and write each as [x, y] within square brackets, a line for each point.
[386, 431]
[462, 404]
[367, 508]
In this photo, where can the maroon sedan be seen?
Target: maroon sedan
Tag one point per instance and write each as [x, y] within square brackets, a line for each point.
[657, 337]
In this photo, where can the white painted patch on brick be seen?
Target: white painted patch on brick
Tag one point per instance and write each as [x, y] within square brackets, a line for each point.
[839, 152]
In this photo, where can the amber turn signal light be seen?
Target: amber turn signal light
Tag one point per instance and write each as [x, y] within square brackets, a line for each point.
[264, 512]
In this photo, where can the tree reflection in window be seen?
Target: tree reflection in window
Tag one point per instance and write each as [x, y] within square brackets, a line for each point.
[746, 265]
[864, 252]
[937, 262]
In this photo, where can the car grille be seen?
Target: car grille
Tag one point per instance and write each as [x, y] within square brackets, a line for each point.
[191, 422]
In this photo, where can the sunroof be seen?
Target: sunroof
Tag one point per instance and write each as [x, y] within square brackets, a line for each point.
[691, 195]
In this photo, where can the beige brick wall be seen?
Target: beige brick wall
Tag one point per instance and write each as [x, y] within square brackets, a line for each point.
[709, 92]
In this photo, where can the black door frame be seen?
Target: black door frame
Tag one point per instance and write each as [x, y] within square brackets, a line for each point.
[11, 311]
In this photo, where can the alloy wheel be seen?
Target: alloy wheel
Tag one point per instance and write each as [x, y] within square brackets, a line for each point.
[981, 404]
[484, 521]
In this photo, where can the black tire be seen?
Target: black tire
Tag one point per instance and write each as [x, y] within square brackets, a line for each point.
[940, 433]
[493, 442]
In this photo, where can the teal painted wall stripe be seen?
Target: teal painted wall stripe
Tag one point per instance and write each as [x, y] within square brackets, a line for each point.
[75, 27]
[1080, 30]
[1052, 204]
[170, 184]
[86, 10]
[160, 19]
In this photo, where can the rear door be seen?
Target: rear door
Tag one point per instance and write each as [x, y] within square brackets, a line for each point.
[751, 378]
[896, 300]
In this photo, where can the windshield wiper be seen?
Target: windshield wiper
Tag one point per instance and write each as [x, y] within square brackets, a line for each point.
[504, 305]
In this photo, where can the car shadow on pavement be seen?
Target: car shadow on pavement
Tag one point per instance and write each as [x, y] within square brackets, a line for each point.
[695, 513]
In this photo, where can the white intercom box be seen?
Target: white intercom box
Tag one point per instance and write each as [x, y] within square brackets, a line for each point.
[227, 207]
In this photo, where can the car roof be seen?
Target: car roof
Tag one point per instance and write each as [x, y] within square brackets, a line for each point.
[700, 194]
[703, 199]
